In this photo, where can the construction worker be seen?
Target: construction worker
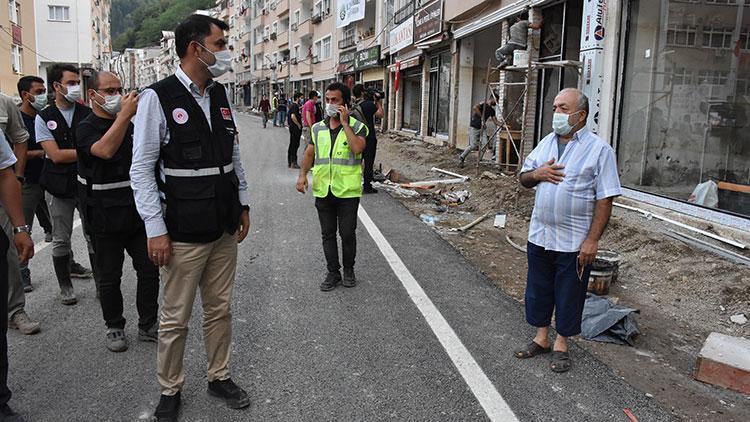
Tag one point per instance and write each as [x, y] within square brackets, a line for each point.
[105, 148]
[336, 147]
[55, 128]
[185, 127]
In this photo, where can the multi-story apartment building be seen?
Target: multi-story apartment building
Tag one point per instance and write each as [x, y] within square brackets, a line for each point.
[74, 32]
[18, 38]
[168, 60]
[149, 64]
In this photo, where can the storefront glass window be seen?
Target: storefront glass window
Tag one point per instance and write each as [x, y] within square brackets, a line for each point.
[412, 83]
[686, 101]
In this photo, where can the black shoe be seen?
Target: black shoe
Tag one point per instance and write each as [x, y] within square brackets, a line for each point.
[8, 415]
[331, 281]
[503, 64]
[295, 166]
[79, 271]
[349, 279]
[230, 392]
[369, 189]
[168, 408]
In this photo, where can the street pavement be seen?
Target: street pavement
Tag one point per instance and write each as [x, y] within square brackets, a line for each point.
[424, 335]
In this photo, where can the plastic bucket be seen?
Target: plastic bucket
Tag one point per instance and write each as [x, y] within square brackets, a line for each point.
[607, 260]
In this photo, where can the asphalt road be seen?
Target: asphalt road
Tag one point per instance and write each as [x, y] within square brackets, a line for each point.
[389, 349]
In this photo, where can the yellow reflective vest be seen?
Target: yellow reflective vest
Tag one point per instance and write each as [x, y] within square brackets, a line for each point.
[340, 171]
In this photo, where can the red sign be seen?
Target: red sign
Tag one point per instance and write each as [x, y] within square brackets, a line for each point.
[16, 30]
[398, 76]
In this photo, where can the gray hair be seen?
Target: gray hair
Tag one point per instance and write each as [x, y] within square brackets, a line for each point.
[583, 101]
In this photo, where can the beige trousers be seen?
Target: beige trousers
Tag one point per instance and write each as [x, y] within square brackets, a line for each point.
[210, 267]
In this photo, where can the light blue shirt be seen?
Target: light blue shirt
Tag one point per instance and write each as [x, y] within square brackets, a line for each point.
[563, 213]
[149, 134]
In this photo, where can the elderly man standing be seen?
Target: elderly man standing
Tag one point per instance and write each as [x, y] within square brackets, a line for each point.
[575, 175]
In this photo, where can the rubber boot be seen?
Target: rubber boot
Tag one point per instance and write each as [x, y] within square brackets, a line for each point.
[95, 270]
[62, 271]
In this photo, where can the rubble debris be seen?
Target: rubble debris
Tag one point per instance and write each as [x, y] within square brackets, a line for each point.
[396, 189]
[454, 198]
[470, 225]
[431, 183]
[500, 218]
[703, 245]
[489, 175]
[649, 215]
[725, 361]
[738, 319]
[428, 219]
[393, 175]
[449, 173]
[606, 322]
[512, 243]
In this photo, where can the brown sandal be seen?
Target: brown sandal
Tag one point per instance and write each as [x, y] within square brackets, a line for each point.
[533, 349]
[561, 362]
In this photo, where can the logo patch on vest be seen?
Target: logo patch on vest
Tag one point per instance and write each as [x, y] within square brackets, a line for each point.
[180, 116]
[226, 113]
[51, 125]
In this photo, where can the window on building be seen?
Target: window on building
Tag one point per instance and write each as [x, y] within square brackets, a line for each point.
[284, 25]
[684, 111]
[318, 9]
[296, 17]
[14, 12]
[327, 7]
[59, 13]
[325, 52]
[16, 58]
[295, 53]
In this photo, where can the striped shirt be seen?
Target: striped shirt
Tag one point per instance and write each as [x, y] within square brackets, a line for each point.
[563, 213]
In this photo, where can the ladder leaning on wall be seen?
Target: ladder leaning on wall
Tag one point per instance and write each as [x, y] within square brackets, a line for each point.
[492, 89]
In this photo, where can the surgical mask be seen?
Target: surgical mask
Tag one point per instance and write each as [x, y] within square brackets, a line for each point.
[222, 64]
[332, 110]
[73, 93]
[112, 103]
[40, 101]
[560, 123]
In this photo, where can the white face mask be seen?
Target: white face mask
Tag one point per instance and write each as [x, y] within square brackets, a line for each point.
[332, 110]
[73, 93]
[222, 64]
[112, 103]
[39, 102]
[560, 123]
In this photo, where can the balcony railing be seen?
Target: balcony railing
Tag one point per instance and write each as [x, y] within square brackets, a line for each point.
[294, 27]
[316, 18]
[273, 35]
[407, 11]
[347, 42]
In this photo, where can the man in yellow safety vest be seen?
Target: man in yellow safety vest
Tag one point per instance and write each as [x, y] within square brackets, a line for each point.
[336, 147]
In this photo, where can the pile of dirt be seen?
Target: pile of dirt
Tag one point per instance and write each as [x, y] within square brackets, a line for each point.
[683, 293]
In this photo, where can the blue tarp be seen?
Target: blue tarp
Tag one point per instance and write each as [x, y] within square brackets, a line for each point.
[606, 322]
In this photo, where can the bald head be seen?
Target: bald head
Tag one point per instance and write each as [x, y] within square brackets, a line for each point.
[574, 100]
[104, 79]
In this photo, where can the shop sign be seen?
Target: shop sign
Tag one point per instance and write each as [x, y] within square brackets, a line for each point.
[594, 20]
[402, 36]
[347, 57]
[428, 21]
[367, 58]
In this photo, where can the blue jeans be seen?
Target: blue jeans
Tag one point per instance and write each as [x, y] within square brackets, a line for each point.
[280, 118]
[552, 284]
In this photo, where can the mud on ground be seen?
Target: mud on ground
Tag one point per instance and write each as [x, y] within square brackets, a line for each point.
[683, 293]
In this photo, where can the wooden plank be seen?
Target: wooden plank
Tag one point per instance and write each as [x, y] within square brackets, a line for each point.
[734, 187]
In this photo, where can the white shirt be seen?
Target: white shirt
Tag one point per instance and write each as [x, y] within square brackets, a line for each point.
[563, 213]
[7, 158]
[150, 133]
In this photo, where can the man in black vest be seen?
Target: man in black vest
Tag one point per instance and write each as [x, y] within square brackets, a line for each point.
[194, 206]
[105, 150]
[55, 128]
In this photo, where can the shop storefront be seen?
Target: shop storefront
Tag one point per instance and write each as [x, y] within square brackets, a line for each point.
[685, 109]
[411, 95]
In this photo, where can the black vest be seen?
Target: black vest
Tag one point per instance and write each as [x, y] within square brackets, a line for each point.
[60, 179]
[200, 186]
[105, 189]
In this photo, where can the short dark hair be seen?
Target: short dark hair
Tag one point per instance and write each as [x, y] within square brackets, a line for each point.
[358, 90]
[524, 16]
[55, 73]
[24, 84]
[297, 95]
[313, 94]
[194, 28]
[346, 94]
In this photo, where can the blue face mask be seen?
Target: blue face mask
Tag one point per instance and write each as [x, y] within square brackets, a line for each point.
[560, 123]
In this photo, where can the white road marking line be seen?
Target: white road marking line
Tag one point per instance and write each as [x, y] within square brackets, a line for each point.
[41, 245]
[489, 398]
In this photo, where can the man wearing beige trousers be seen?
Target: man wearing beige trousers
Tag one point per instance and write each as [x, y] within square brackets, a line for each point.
[194, 207]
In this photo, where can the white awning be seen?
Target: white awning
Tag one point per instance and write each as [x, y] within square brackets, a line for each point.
[495, 17]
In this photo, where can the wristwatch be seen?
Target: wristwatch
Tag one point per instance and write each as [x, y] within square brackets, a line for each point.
[22, 229]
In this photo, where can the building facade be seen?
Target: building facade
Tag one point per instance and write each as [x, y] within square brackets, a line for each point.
[19, 39]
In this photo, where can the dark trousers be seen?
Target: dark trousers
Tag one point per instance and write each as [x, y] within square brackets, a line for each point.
[110, 255]
[338, 213]
[368, 156]
[506, 51]
[553, 284]
[294, 136]
[4, 391]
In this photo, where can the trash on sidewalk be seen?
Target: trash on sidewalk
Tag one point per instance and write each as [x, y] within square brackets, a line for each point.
[470, 225]
[450, 173]
[706, 194]
[738, 319]
[500, 220]
[393, 175]
[630, 415]
[606, 322]
[431, 183]
[378, 175]
[725, 361]
[429, 219]
[453, 198]
[389, 186]
[489, 175]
